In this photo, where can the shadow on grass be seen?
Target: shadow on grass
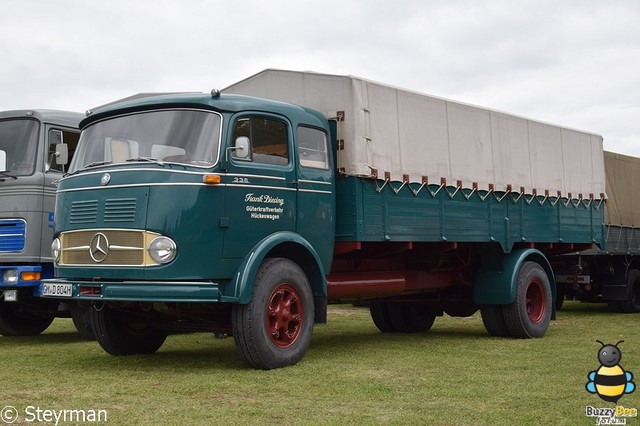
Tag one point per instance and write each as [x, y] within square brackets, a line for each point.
[44, 339]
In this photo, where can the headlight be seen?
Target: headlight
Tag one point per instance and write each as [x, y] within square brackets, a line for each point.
[55, 250]
[10, 276]
[162, 249]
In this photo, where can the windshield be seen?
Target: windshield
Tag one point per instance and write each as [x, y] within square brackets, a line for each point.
[19, 139]
[173, 136]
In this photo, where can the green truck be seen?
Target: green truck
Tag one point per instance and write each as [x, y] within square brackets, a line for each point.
[245, 212]
[34, 149]
[612, 274]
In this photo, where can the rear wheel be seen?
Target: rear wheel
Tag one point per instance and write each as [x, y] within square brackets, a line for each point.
[17, 320]
[392, 317]
[123, 333]
[632, 303]
[380, 316]
[530, 314]
[274, 329]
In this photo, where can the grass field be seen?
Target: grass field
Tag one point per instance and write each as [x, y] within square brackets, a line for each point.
[352, 374]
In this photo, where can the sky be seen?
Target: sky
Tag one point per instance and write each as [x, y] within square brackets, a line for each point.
[574, 63]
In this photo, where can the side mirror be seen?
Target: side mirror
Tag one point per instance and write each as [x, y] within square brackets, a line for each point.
[62, 154]
[241, 148]
[3, 161]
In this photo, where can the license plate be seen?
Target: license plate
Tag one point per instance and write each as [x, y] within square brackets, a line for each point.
[57, 290]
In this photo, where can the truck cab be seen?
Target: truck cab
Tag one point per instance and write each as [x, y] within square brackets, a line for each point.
[35, 146]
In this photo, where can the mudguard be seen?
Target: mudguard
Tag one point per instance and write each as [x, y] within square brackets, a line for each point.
[495, 280]
[280, 244]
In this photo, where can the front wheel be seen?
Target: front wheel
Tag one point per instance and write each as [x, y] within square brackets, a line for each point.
[18, 320]
[530, 314]
[123, 333]
[274, 329]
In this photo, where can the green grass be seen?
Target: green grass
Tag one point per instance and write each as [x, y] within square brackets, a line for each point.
[352, 374]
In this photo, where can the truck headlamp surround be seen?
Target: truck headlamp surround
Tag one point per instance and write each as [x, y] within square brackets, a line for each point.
[10, 276]
[55, 250]
[162, 249]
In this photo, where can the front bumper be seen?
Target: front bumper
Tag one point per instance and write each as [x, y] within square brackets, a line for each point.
[134, 291]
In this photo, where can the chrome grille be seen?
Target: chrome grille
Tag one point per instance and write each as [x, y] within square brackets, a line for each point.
[122, 247]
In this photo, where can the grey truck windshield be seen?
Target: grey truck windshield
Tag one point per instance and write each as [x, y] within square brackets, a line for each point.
[182, 136]
[19, 140]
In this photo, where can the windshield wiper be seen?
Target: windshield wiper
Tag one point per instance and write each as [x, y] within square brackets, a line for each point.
[146, 159]
[88, 166]
[6, 174]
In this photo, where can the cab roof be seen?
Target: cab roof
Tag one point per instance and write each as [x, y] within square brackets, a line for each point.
[215, 101]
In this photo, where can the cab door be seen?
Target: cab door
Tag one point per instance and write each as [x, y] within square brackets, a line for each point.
[316, 191]
[260, 182]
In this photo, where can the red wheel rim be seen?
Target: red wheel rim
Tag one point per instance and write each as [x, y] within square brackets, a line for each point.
[535, 301]
[284, 316]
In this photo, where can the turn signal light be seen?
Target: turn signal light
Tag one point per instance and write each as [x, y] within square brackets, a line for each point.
[211, 179]
[30, 276]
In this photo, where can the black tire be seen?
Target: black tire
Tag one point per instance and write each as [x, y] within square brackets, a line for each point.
[560, 293]
[530, 314]
[122, 333]
[632, 303]
[380, 317]
[17, 320]
[493, 320]
[81, 317]
[410, 318]
[274, 329]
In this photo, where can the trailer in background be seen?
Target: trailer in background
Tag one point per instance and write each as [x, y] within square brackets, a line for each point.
[611, 275]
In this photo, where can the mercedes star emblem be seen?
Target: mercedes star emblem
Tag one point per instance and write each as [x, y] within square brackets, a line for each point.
[106, 178]
[99, 247]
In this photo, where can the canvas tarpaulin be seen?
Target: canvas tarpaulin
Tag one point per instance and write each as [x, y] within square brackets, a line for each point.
[405, 133]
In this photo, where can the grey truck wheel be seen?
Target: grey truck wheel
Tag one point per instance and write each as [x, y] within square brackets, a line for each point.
[632, 302]
[81, 317]
[17, 320]
[530, 314]
[493, 320]
[123, 333]
[274, 329]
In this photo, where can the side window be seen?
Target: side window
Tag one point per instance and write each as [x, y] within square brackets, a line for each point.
[312, 145]
[268, 140]
[55, 137]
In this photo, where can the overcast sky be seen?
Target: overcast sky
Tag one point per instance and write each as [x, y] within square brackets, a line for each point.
[572, 63]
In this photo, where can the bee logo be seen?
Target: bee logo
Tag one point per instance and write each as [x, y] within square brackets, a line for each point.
[610, 381]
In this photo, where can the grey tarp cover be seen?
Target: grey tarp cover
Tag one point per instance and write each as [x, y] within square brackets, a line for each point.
[623, 181]
[402, 132]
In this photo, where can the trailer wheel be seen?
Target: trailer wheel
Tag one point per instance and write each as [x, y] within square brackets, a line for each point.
[529, 315]
[17, 320]
[274, 329]
[380, 316]
[123, 333]
[410, 318]
[493, 320]
[81, 317]
[632, 303]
